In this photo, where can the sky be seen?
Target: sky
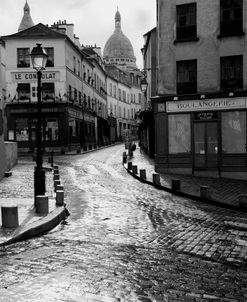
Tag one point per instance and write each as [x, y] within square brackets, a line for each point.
[94, 20]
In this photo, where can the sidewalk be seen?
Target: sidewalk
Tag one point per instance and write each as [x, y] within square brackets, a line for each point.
[18, 190]
[224, 192]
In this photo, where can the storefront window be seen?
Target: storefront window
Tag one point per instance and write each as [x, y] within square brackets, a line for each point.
[51, 130]
[179, 133]
[23, 90]
[234, 132]
[22, 132]
[48, 91]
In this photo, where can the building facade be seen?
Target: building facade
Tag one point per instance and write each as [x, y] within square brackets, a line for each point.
[200, 108]
[96, 82]
[146, 116]
[123, 82]
[2, 100]
[68, 121]
[124, 101]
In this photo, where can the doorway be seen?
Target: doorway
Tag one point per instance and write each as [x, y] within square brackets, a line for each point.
[206, 145]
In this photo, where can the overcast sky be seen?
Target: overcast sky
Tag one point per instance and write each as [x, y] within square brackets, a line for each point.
[93, 19]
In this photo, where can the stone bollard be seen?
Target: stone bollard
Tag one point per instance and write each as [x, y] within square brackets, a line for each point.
[55, 171]
[176, 185]
[59, 188]
[204, 192]
[242, 202]
[156, 178]
[56, 183]
[60, 198]
[56, 177]
[9, 217]
[129, 165]
[124, 158]
[134, 169]
[143, 173]
[42, 204]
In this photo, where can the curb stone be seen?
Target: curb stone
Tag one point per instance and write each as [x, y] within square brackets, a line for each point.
[186, 195]
[40, 226]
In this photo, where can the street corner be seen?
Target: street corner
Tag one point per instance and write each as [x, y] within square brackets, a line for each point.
[38, 227]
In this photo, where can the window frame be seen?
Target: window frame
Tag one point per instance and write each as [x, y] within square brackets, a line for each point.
[232, 83]
[26, 57]
[187, 32]
[187, 87]
[50, 59]
[233, 26]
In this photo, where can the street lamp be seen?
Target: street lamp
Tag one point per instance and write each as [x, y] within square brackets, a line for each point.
[144, 84]
[39, 58]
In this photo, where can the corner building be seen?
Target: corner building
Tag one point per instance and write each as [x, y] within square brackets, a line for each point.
[200, 107]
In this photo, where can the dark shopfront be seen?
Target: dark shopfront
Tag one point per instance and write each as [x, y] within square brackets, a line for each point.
[62, 126]
[201, 137]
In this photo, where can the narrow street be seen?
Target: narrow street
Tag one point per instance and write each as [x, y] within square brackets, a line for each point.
[126, 241]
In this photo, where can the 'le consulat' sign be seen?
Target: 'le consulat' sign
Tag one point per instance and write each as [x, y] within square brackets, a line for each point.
[201, 105]
[32, 76]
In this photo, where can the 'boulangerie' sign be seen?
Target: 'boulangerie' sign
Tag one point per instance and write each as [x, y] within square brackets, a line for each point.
[201, 105]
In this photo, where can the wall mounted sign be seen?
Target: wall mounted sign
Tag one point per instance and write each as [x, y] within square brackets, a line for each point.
[205, 116]
[32, 76]
[204, 105]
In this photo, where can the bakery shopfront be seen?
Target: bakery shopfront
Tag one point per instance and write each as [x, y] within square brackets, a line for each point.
[201, 135]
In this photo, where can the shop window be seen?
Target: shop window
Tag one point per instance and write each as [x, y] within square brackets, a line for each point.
[231, 73]
[22, 129]
[23, 91]
[231, 17]
[48, 91]
[187, 77]
[179, 133]
[186, 22]
[233, 132]
[50, 59]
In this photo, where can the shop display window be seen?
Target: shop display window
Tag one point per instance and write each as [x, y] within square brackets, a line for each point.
[179, 133]
[234, 132]
[22, 129]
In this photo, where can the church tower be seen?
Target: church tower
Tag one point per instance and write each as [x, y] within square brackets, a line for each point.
[26, 21]
[118, 49]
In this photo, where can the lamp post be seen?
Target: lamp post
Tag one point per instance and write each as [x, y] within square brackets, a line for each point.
[39, 58]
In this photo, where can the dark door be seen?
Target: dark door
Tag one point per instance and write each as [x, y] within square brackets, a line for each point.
[205, 145]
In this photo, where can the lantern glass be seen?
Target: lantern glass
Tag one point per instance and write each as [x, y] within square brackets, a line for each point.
[38, 57]
[144, 85]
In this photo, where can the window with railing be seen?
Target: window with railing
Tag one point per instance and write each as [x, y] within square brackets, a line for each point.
[48, 91]
[187, 77]
[23, 57]
[231, 17]
[231, 73]
[23, 91]
[186, 22]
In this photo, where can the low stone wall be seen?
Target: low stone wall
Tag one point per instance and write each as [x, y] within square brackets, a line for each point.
[11, 155]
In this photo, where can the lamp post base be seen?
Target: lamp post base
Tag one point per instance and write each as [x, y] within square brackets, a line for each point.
[39, 182]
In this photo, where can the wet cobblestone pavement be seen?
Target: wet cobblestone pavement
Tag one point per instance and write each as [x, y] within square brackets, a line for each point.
[127, 241]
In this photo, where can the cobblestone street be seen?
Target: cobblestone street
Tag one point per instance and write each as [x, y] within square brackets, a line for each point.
[127, 241]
